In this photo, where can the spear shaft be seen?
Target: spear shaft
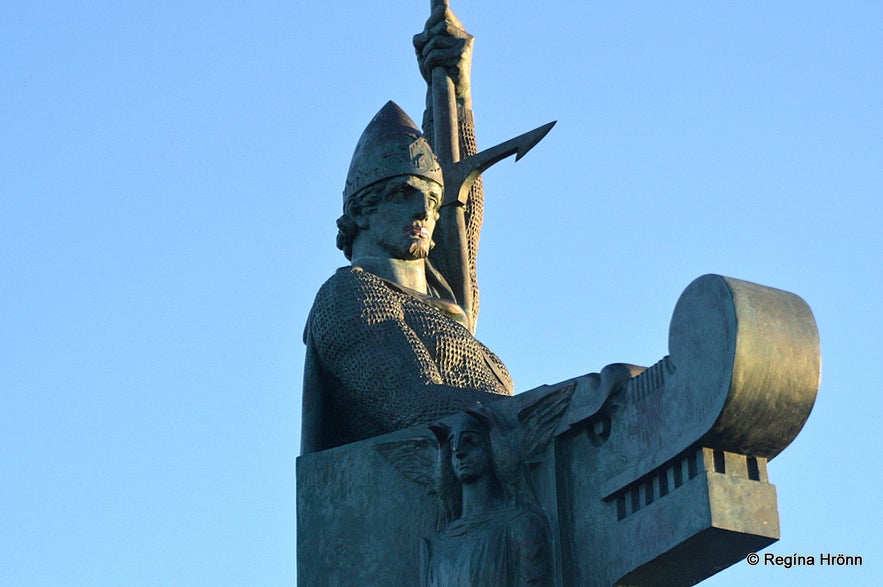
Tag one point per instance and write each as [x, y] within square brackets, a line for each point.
[445, 127]
[453, 254]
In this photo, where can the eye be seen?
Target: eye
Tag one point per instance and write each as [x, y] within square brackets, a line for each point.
[470, 440]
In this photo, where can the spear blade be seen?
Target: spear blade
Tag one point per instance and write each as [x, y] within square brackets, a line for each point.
[460, 176]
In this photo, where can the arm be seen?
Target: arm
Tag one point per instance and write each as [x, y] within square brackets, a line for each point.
[444, 43]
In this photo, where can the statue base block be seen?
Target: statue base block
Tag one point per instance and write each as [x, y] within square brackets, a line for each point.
[362, 522]
[712, 523]
[652, 476]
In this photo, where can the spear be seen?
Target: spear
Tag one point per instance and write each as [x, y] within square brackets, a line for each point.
[459, 176]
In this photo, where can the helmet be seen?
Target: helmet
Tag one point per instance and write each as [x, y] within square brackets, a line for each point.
[391, 145]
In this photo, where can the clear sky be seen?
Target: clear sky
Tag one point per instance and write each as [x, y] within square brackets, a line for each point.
[170, 173]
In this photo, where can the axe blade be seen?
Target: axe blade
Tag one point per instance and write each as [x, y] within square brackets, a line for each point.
[460, 176]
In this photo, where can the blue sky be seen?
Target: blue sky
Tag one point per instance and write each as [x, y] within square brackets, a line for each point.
[170, 173]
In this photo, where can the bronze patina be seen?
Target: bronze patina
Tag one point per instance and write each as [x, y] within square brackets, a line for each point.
[439, 475]
[389, 339]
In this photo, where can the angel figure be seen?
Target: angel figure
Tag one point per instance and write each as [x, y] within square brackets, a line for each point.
[491, 530]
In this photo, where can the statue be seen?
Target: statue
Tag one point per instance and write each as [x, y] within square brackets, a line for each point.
[629, 476]
[390, 338]
[493, 539]
[491, 529]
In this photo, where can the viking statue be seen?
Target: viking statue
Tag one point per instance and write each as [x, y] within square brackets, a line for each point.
[628, 476]
[390, 338]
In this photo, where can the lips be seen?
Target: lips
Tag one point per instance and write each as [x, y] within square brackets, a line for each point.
[416, 231]
[465, 464]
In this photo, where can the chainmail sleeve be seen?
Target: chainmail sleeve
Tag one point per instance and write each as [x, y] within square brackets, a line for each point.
[474, 208]
[389, 360]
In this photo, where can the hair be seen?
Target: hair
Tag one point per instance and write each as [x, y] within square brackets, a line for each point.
[363, 202]
[448, 487]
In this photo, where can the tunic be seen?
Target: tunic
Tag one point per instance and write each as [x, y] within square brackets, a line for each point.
[507, 547]
[380, 359]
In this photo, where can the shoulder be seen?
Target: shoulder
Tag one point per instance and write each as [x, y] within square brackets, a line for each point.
[353, 296]
[528, 528]
[343, 278]
[348, 284]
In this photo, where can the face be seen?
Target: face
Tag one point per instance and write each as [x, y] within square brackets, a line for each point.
[402, 225]
[470, 452]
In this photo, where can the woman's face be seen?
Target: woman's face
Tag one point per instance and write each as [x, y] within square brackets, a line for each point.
[470, 451]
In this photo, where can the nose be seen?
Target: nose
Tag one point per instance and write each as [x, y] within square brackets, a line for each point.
[456, 447]
[423, 208]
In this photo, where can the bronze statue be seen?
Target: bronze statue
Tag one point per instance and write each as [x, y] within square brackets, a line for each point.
[492, 538]
[390, 339]
[629, 476]
[491, 530]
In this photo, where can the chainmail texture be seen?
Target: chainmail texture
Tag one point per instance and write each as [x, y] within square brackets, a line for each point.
[474, 208]
[388, 360]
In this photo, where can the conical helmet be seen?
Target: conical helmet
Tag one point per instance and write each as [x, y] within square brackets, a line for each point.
[391, 145]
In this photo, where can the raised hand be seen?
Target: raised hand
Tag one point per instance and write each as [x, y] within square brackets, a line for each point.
[445, 43]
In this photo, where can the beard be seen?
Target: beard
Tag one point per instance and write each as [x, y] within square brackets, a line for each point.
[419, 249]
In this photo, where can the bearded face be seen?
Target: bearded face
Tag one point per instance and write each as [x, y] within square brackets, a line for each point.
[402, 223]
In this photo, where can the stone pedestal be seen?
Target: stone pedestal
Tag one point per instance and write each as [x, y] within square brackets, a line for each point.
[655, 478]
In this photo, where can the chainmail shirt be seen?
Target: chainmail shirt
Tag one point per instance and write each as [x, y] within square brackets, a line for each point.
[383, 360]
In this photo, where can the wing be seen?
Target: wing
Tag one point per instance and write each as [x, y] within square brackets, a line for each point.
[540, 420]
[414, 458]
